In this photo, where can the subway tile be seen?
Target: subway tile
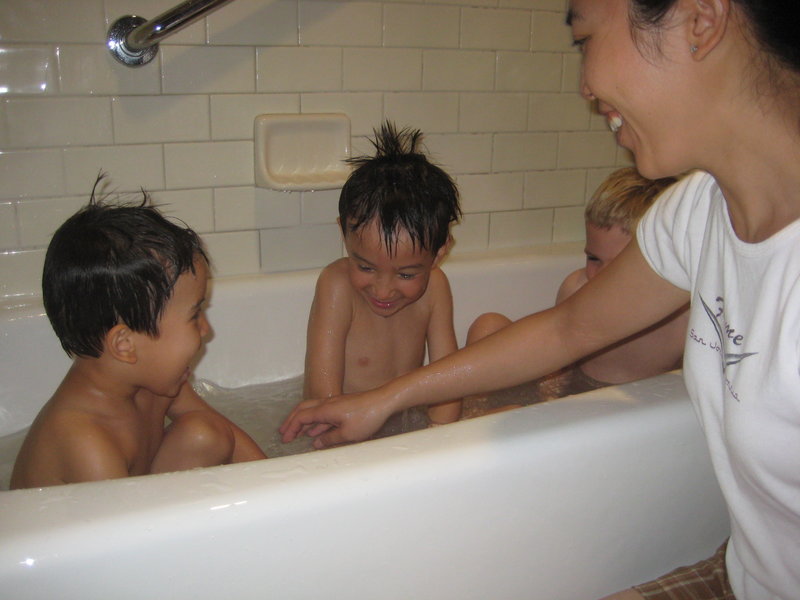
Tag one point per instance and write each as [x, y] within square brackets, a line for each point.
[461, 153]
[364, 109]
[207, 70]
[193, 207]
[463, 2]
[31, 173]
[458, 70]
[528, 72]
[298, 69]
[143, 119]
[255, 208]
[233, 253]
[485, 113]
[210, 164]
[429, 112]
[571, 77]
[546, 189]
[150, 9]
[28, 70]
[233, 115]
[490, 192]
[39, 219]
[534, 4]
[387, 69]
[520, 228]
[254, 23]
[319, 207]
[21, 273]
[128, 168]
[558, 112]
[495, 29]
[524, 151]
[471, 234]
[550, 33]
[52, 21]
[419, 26]
[586, 149]
[569, 224]
[340, 23]
[9, 239]
[90, 69]
[305, 247]
[42, 122]
[594, 177]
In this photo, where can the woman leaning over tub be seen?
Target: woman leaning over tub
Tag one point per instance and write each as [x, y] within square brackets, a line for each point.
[684, 84]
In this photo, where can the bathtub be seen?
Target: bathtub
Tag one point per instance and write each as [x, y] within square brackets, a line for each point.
[568, 500]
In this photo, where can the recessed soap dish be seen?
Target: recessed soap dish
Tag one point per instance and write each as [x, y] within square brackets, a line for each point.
[302, 151]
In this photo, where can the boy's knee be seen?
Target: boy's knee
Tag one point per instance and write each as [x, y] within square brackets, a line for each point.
[485, 325]
[204, 435]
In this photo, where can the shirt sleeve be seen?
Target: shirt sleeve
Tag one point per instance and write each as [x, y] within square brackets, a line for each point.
[671, 233]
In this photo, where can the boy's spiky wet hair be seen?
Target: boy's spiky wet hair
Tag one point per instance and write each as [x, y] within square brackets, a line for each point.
[400, 188]
[110, 264]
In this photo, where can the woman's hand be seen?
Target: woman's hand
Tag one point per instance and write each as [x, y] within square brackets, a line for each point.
[340, 420]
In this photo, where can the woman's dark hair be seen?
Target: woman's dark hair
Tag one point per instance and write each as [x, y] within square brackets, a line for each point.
[773, 24]
[110, 264]
[402, 189]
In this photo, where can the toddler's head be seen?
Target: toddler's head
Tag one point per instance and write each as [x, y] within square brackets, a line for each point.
[613, 213]
[109, 264]
[400, 190]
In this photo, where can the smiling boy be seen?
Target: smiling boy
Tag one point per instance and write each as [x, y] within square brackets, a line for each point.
[125, 291]
[376, 311]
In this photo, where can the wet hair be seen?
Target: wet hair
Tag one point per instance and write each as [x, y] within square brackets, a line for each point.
[623, 198]
[110, 264]
[400, 188]
[772, 24]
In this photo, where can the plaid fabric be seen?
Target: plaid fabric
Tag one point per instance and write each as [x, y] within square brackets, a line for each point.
[705, 580]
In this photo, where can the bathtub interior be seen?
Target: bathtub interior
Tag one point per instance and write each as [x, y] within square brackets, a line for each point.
[564, 500]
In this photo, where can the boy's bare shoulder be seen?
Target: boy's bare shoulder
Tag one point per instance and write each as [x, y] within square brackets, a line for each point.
[334, 278]
[65, 444]
[571, 284]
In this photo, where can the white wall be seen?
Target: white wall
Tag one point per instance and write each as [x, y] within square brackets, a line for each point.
[492, 83]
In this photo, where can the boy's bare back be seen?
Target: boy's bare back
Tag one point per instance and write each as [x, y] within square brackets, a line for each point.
[76, 438]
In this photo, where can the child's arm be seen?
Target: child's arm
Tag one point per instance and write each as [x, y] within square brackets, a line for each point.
[441, 338]
[328, 325]
[187, 401]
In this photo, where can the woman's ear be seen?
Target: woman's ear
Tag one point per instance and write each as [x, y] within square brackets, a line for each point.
[707, 23]
[120, 344]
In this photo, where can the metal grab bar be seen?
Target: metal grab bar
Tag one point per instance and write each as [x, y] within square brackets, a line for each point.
[133, 40]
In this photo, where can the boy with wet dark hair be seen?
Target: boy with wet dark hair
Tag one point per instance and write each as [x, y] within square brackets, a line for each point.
[124, 290]
[376, 311]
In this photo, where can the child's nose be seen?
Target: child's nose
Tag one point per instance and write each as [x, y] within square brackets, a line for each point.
[205, 326]
[383, 287]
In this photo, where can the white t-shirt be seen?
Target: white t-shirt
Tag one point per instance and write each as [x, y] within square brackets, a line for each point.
[742, 370]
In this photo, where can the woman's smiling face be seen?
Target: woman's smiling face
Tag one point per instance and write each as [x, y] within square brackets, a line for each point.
[637, 83]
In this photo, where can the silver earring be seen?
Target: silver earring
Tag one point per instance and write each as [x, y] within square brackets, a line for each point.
[693, 49]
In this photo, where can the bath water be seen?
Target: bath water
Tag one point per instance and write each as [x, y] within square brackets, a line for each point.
[258, 409]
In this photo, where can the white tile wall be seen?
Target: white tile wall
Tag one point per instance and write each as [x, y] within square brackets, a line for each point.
[492, 83]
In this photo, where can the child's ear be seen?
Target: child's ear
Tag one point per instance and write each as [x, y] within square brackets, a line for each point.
[120, 344]
[442, 253]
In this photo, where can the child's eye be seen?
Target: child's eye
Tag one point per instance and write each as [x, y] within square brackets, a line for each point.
[407, 276]
[365, 268]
